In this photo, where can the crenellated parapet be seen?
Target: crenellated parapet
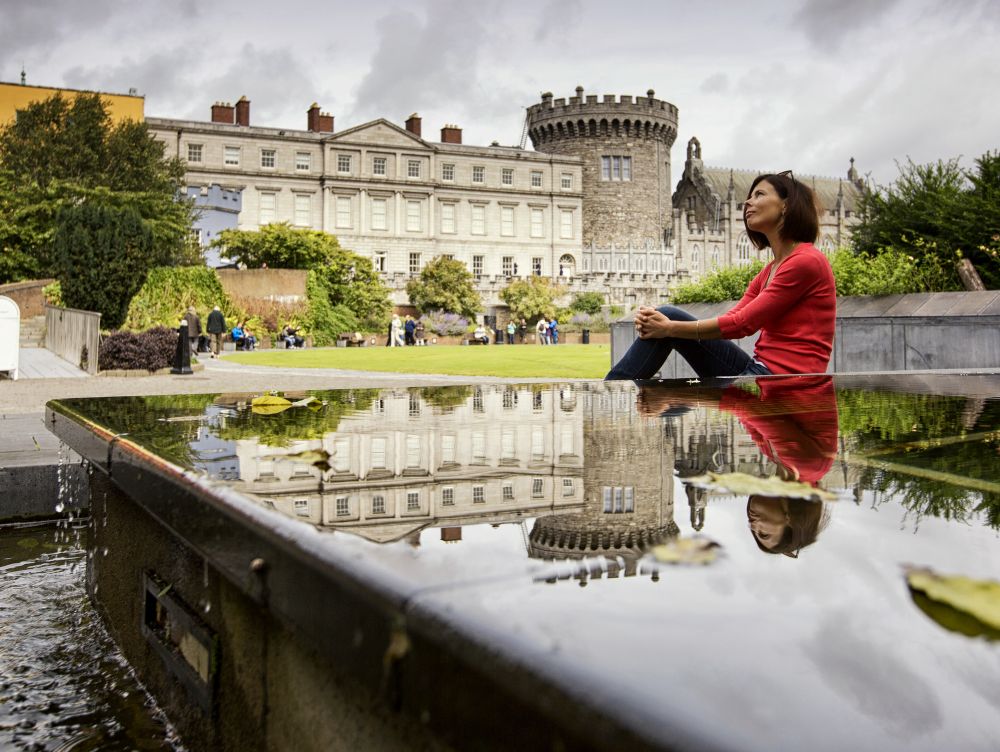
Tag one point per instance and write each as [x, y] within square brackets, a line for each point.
[634, 117]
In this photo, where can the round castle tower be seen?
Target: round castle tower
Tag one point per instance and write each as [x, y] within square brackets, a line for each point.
[624, 143]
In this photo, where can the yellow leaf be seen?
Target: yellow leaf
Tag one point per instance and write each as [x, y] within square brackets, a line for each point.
[686, 551]
[751, 485]
[269, 404]
[979, 599]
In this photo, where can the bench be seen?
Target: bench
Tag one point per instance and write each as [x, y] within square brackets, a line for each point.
[351, 340]
[474, 341]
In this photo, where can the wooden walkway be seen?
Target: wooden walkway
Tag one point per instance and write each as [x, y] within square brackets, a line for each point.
[39, 363]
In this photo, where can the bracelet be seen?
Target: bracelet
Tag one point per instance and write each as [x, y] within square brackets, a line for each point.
[697, 334]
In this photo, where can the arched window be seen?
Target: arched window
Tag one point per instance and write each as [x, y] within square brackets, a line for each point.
[716, 257]
[744, 249]
[567, 265]
[827, 245]
[696, 257]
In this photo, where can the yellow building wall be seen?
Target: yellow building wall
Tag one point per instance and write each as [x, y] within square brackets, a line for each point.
[14, 97]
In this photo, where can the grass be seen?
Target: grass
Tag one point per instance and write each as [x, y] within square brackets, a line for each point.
[512, 361]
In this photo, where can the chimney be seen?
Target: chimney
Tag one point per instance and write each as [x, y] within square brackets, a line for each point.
[243, 112]
[413, 124]
[223, 112]
[318, 122]
[451, 134]
[451, 534]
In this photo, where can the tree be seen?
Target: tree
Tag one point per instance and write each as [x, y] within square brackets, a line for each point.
[66, 152]
[445, 285]
[940, 212]
[278, 246]
[530, 298]
[587, 302]
[102, 258]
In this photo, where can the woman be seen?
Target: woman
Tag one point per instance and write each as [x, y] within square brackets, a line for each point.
[792, 302]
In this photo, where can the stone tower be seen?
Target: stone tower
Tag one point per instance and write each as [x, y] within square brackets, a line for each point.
[624, 142]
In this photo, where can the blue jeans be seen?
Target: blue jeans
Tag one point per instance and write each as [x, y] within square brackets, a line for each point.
[708, 357]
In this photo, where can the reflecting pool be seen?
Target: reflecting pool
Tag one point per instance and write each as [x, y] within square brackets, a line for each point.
[556, 523]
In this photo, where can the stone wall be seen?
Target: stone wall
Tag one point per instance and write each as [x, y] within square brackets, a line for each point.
[285, 285]
[28, 296]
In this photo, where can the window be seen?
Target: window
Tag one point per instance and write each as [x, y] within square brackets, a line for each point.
[448, 218]
[478, 174]
[342, 456]
[536, 179]
[566, 435]
[507, 221]
[378, 453]
[477, 401]
[231, 156]
[508, 492]
[507, 176]
[413, 440]
[447, 496]
[303, 210]
[566, 224]
[536, 266]
[743, 249]
[413, 168]
[626, 168]
[629, 499]
[568, 487]
[537, 442]
[343, 506]
[618, 499]
[479, 494]
[507, 266]
[507, 443]
[479, 445]
[268, 202]
[378, 505]
[616, 168]
[379, 214]
[605, 168]
[448, 172]
[414, 264]
[448, 448]
[344, 164]
[509, 399]
[716, 257]
[267, 158]
[567, 181]
[194, 152]
[478, 219]
[412, 501]
[606, 499]
[477, 266]
[537, 223]
[379, 166]
[302, 507]
[343, 217]
[695, 257]
[537, 487]
[379, 262]
[413, 216]
[303, 161]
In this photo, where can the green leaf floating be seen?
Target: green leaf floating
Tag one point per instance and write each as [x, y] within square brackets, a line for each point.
[751, 485]
[686, 551]
[957, 603]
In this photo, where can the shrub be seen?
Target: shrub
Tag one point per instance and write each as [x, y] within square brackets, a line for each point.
[728, 283]
[169, 291]
[445, 324]
[587, 302]
[53, 294]
[150, 350]
[889, 272]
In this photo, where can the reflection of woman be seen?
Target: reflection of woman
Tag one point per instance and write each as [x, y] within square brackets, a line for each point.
[792, 302]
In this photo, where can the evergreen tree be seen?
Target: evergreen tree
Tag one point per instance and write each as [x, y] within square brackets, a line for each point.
[445, 285]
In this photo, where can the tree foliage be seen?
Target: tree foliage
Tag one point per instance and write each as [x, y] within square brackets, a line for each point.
[445, 285]
[278, 246]
[530, 298]
[65, 152]
[938, 210]
[587, 302]
[727, 283]
[102, 258]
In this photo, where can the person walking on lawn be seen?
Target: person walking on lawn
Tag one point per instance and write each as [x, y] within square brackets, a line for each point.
[216, 328]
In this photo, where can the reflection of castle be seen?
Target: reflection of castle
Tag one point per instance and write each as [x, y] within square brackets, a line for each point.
[500, 454]
[628, 488]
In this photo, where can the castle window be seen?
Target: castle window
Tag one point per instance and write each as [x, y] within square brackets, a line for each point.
[343, 218]
[343, 506]
[566, 224]
[507, 266]
[231, 156]
[479, 446]
[412, 501]
[507, 450]
[606, 499]
[477, 266]
[267, 158]
[448, 218]
[379, 214]
[716, 257]
[413, 440]
[567, 181]
[194, 153]
[507, 221]
[567, 486]
[478, 174]
[378, 505]
[626, 168]
[537, 223]
[413, 168]
[379, 262]
[616, 168]
[605, 168]
[303, 161]
[379, 166]
[268, 202]
[378, 453]
[414, 264]
[302, 507]
[691, 201]
[479, 494]
[448, 448]
[448, 172]
[695, 257]
[536, 266]
[344, 164]
[536, 179]
[537, 487]
[447, 496]
[509, 398]
[477, 401]
[629, 499]
[508, 492]
[507, 176]
[303, 210]
[478, 219]
[743, 249]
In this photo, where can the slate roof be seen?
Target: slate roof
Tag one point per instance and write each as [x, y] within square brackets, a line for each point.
[826, 188]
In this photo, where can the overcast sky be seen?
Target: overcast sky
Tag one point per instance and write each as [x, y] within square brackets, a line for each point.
[801, 84]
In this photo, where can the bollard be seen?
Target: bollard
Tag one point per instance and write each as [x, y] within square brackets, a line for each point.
[182, 357]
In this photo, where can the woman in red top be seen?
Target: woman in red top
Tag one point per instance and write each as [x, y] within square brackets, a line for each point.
[792, 302]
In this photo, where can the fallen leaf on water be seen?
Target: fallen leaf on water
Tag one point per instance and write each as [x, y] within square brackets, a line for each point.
[269, 404]
[958, 603]
[686, 551]
[751, 485]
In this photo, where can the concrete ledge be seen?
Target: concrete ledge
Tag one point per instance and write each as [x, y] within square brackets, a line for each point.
[139, 372]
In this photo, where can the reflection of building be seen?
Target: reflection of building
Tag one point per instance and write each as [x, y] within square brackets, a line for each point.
[500, 454]
[628, 487]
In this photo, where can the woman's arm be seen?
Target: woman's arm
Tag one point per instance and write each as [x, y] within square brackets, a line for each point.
[651, 324]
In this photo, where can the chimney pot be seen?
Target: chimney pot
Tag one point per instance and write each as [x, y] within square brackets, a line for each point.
[451, 134]
[413, 124]
[223, 112]
[243, 112]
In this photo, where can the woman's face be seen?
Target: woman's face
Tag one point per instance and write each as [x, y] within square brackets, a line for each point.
[764, 208]
[768, 520]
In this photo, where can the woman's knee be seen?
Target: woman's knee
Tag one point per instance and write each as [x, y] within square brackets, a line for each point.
[674, 313]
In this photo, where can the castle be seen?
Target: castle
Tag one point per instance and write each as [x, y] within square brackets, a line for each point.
[591, 207]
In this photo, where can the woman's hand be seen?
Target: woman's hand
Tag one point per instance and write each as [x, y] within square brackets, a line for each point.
[651, 324]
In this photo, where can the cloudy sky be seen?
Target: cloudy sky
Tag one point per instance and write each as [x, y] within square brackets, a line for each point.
[802, 84]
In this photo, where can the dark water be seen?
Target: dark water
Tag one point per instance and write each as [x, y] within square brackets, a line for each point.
[63, 685]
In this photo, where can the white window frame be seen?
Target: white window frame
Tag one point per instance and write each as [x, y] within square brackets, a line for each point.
[267, 210]
[479, 494]
[378, 504]
[413, 501]
[448, 212]
[413, 168]
[344, 162]
[507, 176]
[566, 181]
[303, 161]
[413, 216]
[380, 166]
[195, 153]
[268, 159]
[303, 209]
[507, 229]
[448, 496]
[343, 212]
[507, 266]
[478, 226]
[566, 221]
[231, 156]
[380, 214]
[379, 261]
[478, 174]
[448, 172]
[536, 178]
[343, 506]
[536, 266]
[537, 222]
[477, 266]
[414, 263]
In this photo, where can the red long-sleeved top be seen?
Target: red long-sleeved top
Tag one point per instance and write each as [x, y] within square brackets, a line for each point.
[795, 314]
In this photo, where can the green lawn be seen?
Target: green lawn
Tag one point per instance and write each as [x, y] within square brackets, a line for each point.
[515, 361]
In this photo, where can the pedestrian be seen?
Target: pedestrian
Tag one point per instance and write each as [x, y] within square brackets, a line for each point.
[511, 328]
[418, 333]
[396, 332]
[522, 330]
[194, 328]
[554, 331]
[409, 327]
[216, 328]
[542, 331]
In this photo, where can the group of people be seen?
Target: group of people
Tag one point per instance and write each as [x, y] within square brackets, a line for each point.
[547, 331]
[215, 329]
[408, 332]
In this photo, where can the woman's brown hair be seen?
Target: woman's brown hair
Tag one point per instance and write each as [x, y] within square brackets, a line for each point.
[801, 218]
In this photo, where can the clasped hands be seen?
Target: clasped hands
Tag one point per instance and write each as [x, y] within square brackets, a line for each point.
[652, 324]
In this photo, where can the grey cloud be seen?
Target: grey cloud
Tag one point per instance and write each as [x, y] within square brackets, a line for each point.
[30, 30]
[718, 83]
[557, 18]
[828, 23]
